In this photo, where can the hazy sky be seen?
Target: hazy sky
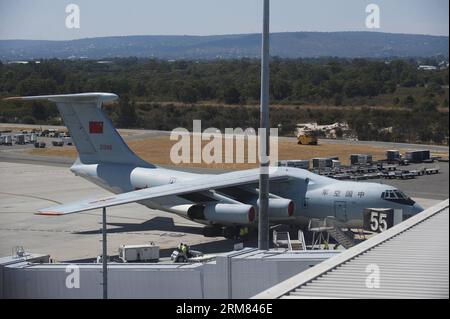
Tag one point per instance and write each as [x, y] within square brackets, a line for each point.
[45, 19]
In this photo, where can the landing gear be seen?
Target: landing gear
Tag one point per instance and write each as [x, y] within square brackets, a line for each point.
[212, 231]
[230, 232]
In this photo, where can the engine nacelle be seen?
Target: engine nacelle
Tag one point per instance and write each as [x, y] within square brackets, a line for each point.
[280, 208]
[224, 213]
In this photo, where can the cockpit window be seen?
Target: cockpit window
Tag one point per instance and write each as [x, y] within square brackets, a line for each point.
[393, 194]
[397, 196]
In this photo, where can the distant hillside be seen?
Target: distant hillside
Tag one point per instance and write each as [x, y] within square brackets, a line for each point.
[287, 45]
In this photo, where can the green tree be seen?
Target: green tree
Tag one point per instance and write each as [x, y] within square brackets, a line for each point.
[280, 89]
[127, 113]
[231, 95]
[39, 111]
[187, 94]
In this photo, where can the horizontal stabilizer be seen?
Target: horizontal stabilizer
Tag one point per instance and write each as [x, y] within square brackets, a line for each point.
[79, 97]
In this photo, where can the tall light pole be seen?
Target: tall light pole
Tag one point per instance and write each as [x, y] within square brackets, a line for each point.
[264, 136]
[104, 255]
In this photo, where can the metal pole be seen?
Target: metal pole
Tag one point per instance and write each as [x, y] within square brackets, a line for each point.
[104, 256]
[263, 218]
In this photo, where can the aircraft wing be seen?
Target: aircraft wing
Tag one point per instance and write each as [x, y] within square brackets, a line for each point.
[209, 182]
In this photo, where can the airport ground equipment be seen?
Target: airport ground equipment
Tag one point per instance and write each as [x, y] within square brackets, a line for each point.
[67, 140]
[39, 144]
[307, 138]
[432, 171]
[334, 229]
[323, 162]
[8, 140]
[361, 159]
[20, 139]
[282, 239]
[392, 156]
[139, 253]
[303, 164]
[58, 143]
[178, 256]
[404, 174]
[418, 156]
[323, 229]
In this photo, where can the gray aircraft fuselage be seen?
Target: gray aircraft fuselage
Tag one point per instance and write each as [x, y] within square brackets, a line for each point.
[314, 196]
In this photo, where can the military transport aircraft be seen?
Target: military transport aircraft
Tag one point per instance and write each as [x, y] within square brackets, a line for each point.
[222, 202]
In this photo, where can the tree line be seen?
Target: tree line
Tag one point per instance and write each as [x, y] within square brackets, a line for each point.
[147, 88]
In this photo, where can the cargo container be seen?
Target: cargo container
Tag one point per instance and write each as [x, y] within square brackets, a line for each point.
[8, 140]
[20, 139]
[303, 164]
[323, 162]
[393, 156]
[361, 159]
[418, 156]
[336, 164]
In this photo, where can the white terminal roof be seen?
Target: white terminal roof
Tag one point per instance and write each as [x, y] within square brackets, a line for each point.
[409, 260]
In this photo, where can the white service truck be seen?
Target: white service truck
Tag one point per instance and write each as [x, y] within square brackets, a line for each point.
[139, 253]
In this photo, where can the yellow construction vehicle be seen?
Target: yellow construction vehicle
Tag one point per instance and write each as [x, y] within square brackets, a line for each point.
[307, 138]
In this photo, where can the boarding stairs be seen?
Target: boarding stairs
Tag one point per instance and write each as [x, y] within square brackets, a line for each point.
[283, 240]
[328, 227]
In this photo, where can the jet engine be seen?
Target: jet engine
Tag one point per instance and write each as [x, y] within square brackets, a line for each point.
[223, 213]
[280, 208]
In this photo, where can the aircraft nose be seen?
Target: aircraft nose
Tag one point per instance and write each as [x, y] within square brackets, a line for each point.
[416, 209]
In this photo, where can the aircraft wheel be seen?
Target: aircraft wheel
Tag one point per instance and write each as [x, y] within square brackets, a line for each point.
[230, 232]
[180, 259]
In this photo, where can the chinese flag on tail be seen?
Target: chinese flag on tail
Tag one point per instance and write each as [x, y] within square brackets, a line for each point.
[95, 127]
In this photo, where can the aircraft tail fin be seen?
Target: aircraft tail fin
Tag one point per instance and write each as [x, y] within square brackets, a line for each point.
[96, 139]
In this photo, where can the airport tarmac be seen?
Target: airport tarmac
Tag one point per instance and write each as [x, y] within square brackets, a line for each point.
[25, 188]
[30, 182]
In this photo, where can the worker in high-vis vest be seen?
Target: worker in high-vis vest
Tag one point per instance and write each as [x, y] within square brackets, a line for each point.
[183, 248]
[243, 232]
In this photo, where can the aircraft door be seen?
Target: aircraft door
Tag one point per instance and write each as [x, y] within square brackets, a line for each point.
[340, 210]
